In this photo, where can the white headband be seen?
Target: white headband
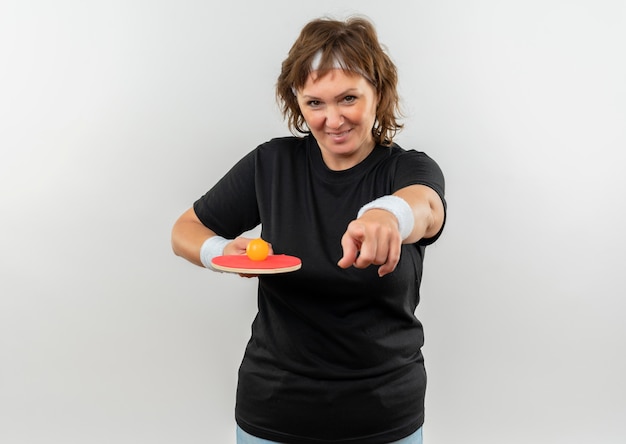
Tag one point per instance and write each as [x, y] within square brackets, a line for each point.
[317, 60]
[338, 63]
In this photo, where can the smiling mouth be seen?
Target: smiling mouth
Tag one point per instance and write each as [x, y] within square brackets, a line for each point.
[341, 134]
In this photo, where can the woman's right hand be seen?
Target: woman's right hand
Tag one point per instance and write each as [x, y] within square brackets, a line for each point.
[238, 246]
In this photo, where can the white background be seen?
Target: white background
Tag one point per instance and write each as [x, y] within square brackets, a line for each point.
[116, 115]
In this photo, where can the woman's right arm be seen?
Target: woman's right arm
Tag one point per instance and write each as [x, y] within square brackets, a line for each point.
[188, 235]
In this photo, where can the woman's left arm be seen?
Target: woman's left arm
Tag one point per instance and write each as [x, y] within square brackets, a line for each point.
[375, 239]
[428, 211]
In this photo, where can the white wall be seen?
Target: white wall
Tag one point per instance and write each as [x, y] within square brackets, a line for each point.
[115, 116]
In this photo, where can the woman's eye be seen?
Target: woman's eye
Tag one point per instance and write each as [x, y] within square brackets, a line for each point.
[349, 99]
[314, 103]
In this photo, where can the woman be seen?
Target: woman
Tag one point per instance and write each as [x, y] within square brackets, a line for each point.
[335, 353]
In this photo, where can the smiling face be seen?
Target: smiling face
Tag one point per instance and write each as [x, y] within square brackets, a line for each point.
[340, 110]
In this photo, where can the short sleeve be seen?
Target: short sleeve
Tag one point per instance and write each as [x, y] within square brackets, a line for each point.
[230, 207]
[417, 168]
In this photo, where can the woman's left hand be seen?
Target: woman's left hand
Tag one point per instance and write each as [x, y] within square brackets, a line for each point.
[372, 239]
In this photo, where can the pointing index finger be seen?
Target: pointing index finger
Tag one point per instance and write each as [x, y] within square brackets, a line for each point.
[350, 243]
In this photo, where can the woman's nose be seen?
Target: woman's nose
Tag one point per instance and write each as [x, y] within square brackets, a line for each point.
[334, 118]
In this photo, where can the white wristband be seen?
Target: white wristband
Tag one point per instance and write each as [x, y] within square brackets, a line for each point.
[212, 247]
[396, 206]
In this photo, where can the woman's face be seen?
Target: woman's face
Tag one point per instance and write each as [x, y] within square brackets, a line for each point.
[340, 110]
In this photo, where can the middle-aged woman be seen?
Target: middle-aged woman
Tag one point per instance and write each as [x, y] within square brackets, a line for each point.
[335, 352]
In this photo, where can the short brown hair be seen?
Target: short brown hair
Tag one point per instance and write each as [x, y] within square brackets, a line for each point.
[354, 43]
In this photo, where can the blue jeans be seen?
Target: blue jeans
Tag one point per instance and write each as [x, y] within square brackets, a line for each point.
[246, 438]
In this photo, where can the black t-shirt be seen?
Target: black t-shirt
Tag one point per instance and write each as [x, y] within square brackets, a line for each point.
[335, 354]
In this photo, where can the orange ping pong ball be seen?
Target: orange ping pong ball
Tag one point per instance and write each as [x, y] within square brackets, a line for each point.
[258, 249]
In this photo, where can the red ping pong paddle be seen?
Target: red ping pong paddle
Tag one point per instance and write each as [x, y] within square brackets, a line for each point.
[242, 264]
